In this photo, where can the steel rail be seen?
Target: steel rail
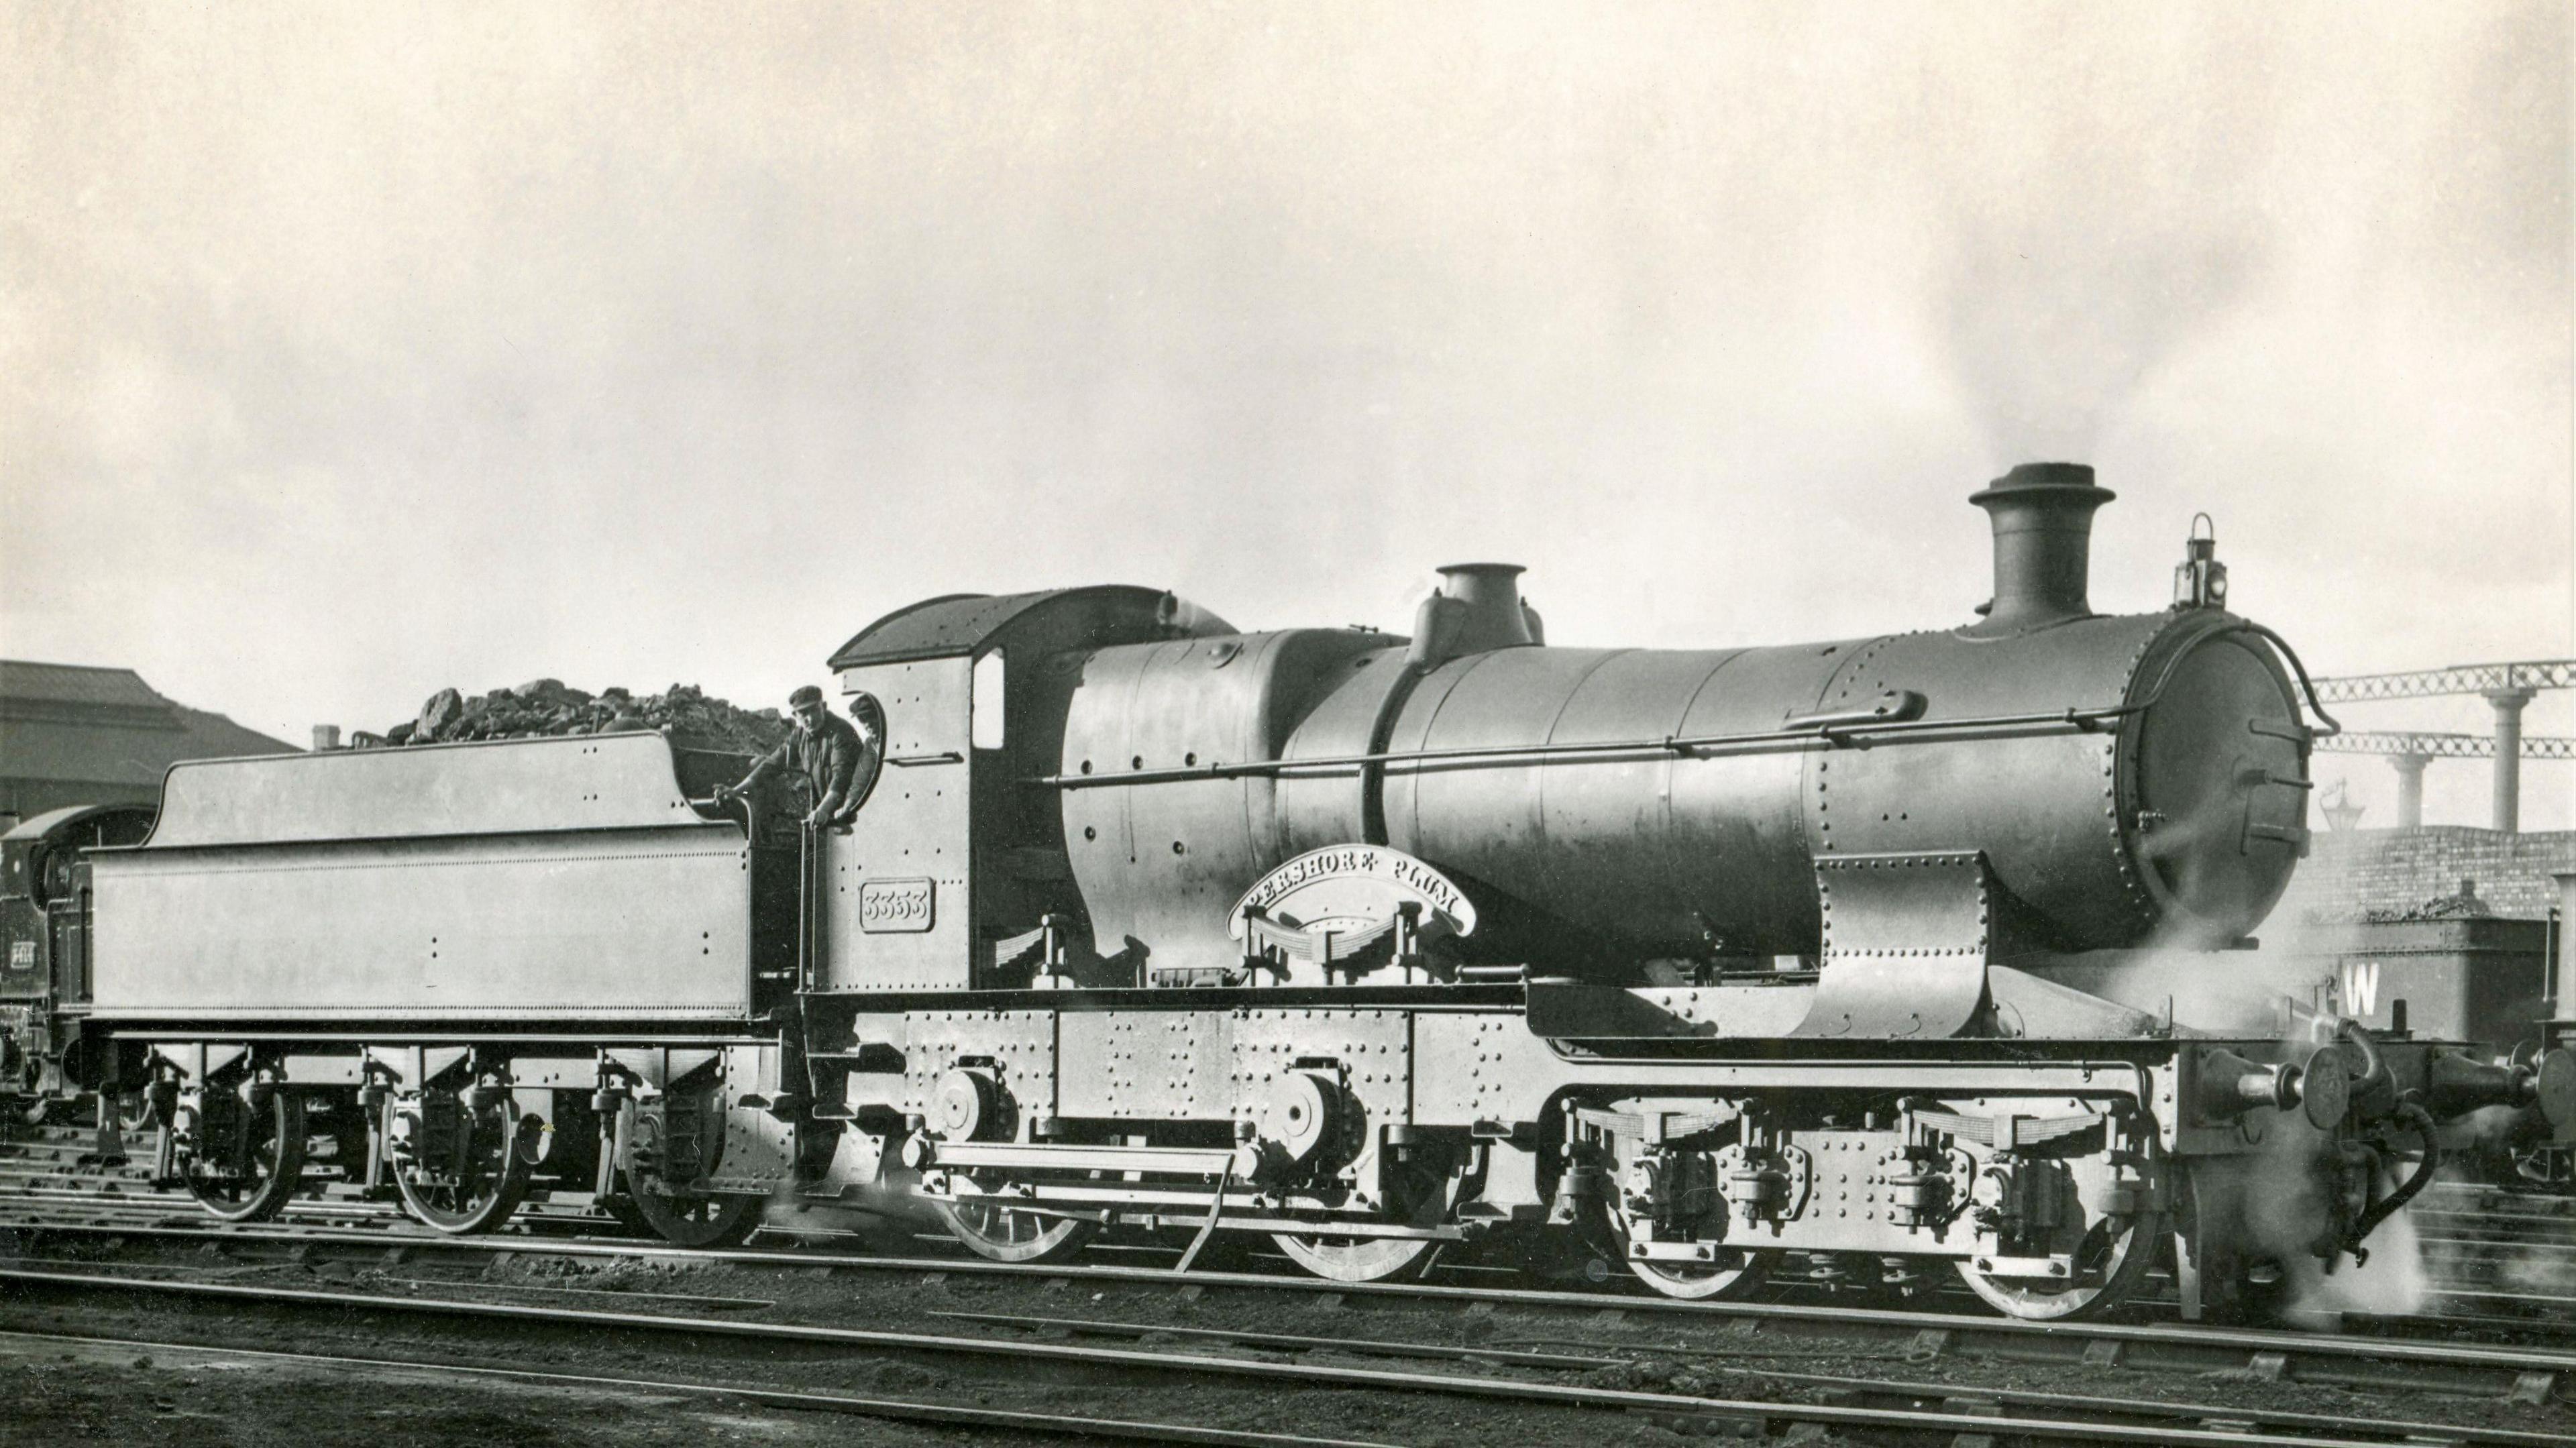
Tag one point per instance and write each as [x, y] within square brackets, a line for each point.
[395, 1240]
[149, 1208]
[946, 1415]
[2471, 1245]
[1286, 1341]
[2154, 1410]
[2148, 1409]
[1745, 1413]
[2366, 1361]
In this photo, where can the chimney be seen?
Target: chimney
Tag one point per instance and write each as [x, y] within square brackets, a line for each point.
[2043, 521]
[326, 736]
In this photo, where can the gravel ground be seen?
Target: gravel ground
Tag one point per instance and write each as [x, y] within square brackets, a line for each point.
[56, 1394]
[332, 1406]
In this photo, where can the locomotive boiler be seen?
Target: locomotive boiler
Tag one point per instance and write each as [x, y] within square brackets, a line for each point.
[1365, 945]
[2127, 780]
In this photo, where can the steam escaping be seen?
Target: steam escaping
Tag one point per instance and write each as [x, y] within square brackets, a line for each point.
[2391, 1281]
[876, 1218]
[2055, 318]
[2206, 992]
[2277, 1207]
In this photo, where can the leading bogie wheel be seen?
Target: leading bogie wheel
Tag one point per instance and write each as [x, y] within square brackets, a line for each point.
[1007, 1235]
[245, 1161]
[469, 1176]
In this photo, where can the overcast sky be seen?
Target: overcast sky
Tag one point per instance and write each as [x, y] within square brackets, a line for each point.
[354, 351]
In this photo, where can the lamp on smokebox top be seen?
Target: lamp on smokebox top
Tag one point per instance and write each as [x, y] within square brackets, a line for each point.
[2200, 580]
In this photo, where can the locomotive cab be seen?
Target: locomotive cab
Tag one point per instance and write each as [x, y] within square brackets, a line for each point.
[955, 875]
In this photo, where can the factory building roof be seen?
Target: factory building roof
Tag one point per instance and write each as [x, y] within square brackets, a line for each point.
[74, 734]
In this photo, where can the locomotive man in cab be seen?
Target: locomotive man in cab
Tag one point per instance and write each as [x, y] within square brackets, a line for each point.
[835, 758]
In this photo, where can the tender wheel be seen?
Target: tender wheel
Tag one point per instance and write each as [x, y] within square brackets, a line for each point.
[2109, 1263]
[697, 1221]
[1005, 1235]
[1359, 1259]
[244, 1162]
[461, 1171]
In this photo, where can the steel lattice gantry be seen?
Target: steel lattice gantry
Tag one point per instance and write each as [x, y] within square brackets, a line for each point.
[2399, 742]
[2456, 679]
[2507, 686]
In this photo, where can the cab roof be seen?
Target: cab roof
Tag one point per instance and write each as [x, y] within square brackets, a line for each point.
[968, 623]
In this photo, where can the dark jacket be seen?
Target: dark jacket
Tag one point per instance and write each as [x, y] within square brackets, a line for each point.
[828, 759]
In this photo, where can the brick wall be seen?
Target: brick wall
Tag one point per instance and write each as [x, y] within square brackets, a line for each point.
[2349, 872]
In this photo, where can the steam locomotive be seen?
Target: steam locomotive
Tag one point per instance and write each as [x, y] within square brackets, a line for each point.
[1364, 944]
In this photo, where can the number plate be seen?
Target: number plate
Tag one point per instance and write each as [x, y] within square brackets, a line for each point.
[22, 955]
[894, 905]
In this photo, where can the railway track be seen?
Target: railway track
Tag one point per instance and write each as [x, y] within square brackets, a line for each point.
[1587, 1336]
[2500, 1264]
[2503, 1253]
[2379, 1354]
[1486, 1376]
[981, 1420]
[2475, 1296]
[1594, 1354]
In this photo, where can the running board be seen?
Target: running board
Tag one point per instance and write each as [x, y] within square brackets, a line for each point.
[1182, 1218]
[1205, 1161]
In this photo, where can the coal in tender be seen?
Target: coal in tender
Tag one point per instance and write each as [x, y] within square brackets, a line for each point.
[548, 707]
